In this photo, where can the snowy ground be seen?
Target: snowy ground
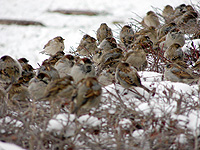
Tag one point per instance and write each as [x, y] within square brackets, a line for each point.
[28, 41]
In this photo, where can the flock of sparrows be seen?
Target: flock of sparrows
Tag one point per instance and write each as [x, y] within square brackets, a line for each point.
[77, 78]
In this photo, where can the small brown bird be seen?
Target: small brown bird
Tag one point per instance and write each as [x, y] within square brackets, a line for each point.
[163, 30]
[53, 46]
[127, 36]
[60, 90]
[48, 69]
[136, 58]
[179, 10]
[18, 95]
[82, 69]
[10, 71]
[174, 53]
[107, 44]
[128, 77]
[144, 42]
[87, 46]
[37, 86]
[64, 65]
[175, 73]
[175, 36]
[97, 56]
[151, 19]
[54, 58]
[111, 58]
[88, 95]
[103, 32]
[168, 13]
[149, 32]
[107, 77]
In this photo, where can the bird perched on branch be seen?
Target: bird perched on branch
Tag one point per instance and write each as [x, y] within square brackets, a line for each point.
[128, 77]
[103, 32]
[10, 71]
[82, 69]
[53, 46]
[151, 19]
[88, 95]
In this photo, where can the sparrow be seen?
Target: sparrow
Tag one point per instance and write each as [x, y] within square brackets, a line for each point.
[127, 36]
[59, 89]
[151, 19]
[150, 32]
[111, 58]
[54, 58]
[82, 69]
[97, 56]
[175, 36]
[64, 65]
[136, 58]
[10, 71]
[176, 73]
[103, 32]
[87, 95]
[127, 76]
[188, 22]
[87, 45]
[48, 69]
[144, 42]
[37, 85]
[28, 72]
[18, 94]
[174, 53]
[163, 30]
[168, 13]
[107, 76]
[107, 44]
[179, 10]
[23, 61]
[53, 46]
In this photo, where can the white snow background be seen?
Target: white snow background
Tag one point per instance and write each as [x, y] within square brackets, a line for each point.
[28, 41]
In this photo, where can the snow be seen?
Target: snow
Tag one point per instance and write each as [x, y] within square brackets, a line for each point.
[9, 146]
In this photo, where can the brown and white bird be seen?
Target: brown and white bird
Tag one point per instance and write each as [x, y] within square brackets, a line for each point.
[176, 73]
[107, 77]
[175, 36]
[87, 45]
[163, 30]
[64, 65]
[48, 69]
[143, 41]
[103, 32]
[59, 91]
[127, 36]
[37, 86]
[10, 71]
[54, 58]
[151, 32]
[18, 95]
[111, 59]
[128, 77]
[174, 53]
[168, 13]
[82, 69]
[151, 19]
[88, 95]
[136, 58]
[108, 43]
[53, 46]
